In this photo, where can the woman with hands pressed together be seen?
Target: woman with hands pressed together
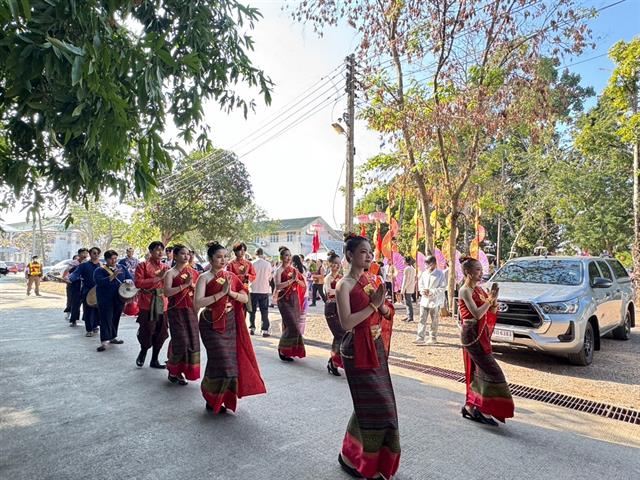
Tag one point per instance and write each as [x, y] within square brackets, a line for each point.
[291, 287]
[184, 347]
[331, 312]
[371, 445]
[232, 370]
[488, 395]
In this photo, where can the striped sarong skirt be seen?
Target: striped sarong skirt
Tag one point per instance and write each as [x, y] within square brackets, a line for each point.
[333, 321]
[184, 346]
[291, 343]
[220, 382]
[487, 389]
[372, 441]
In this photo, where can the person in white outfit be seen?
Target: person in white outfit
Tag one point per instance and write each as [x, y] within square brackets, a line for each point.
[408, 287]
[431, 285]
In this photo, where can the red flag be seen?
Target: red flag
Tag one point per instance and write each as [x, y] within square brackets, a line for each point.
[315, 244]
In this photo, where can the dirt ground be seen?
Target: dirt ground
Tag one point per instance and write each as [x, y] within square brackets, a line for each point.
[613, 377]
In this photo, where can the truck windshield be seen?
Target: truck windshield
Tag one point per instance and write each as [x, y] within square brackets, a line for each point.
[548, 271]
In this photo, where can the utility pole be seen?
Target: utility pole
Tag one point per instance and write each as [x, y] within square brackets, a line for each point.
[499, 240]
[350, 121]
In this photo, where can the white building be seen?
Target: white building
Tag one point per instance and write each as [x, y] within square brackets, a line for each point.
[59, 243]
[297, 235]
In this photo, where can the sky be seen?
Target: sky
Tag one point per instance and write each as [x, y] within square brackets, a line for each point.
[308, 157]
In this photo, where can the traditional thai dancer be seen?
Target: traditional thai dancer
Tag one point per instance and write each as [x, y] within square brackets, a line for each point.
[232, 370]
[291, 287]
[371, 446]
[152, 321]
[331, 313]
[488, 395]
[108, 279]
[184, 347]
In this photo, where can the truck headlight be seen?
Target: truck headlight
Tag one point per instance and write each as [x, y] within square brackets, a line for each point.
[570, 306]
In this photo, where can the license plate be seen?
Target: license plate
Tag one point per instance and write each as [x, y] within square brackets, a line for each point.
[502, 335]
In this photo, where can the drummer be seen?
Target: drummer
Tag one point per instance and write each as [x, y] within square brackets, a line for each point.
[84, 272]
[108, 279]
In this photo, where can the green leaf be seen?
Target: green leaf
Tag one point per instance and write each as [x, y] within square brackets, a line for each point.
[78, 110]
[76, 71]
[13, 6]
[26, 9]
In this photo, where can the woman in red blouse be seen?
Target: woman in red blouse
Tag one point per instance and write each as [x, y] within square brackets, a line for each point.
[232, 370]
[371, 445]
[488, 394]
[291, 288]
[331, 312]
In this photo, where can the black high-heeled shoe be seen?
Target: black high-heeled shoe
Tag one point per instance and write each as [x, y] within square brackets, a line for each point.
[466, 414]
[332, 369]
[285, 359]
[482, 419]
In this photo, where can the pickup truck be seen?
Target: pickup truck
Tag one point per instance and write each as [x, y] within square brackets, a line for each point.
[563, 305]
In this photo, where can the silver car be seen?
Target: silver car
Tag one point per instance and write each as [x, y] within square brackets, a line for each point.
[563, 305]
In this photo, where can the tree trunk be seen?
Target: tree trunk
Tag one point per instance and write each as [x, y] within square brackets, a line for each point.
[635, 250]
[453, 240]
[515, 239]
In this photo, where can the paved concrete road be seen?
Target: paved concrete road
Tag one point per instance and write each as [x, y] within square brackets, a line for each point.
[68, 412]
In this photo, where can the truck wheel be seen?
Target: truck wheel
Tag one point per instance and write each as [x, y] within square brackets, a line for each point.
[585, 356]
[623, 332]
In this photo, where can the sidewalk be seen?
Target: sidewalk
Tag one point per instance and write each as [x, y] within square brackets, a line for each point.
[68, 412]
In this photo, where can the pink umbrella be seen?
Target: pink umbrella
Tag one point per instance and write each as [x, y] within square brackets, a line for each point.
[484, 261]
[422, 261]
[398, 262]
[440, 260]
[459, 274]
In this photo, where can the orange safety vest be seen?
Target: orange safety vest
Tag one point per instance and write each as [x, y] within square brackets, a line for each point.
[35, 269]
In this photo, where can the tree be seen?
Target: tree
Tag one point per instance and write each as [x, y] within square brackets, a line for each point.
[214, 200]
[87, 88]
[624, 91]
[99, 225]
[488, 74]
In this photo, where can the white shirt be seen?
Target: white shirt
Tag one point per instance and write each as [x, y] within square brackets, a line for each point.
[435, 283]
[409, 280]
[263, 275]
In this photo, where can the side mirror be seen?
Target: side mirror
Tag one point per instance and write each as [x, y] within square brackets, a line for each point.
[600, 282]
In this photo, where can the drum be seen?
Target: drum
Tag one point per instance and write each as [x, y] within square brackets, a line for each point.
[127, 292]
[92, 298]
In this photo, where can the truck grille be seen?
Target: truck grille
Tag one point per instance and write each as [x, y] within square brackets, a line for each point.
[519, 314]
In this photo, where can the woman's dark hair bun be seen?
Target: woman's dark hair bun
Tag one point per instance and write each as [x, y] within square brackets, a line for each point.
[349, 235]
[282, 249]
[213, 247]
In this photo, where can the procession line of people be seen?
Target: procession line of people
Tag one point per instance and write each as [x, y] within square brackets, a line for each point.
[212, 307]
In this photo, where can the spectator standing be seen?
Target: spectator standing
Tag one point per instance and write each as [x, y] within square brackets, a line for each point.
[431, 286]
[260, 288]
[408, 287]
[33, 273]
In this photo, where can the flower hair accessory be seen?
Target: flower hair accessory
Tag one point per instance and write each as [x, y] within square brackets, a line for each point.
[221, 280]
[368, 289]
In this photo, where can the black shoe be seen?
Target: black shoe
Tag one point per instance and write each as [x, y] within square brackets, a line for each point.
[350, 470]
[486, 420]
[223, 409]
[182, 380]
[173, 379]
[101, 348]
[115, 341]
[285, 359]
[252, 331]
[73, 324]
[471, 416]
[266, 334]
[141, 358]
[331, 368]
[156, 364]
[312, 305]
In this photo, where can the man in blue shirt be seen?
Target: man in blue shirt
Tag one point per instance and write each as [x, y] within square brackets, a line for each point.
[85, 273]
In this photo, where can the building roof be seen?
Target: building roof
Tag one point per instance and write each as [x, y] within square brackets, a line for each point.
[293, 223]
[54, 224]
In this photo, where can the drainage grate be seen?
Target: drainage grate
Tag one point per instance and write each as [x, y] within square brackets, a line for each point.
[627, 415]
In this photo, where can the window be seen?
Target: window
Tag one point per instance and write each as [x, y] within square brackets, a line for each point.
[618, 270]
[291, 236]
[546, 271]
[273, 238]
[606, 273]
[594, 272]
